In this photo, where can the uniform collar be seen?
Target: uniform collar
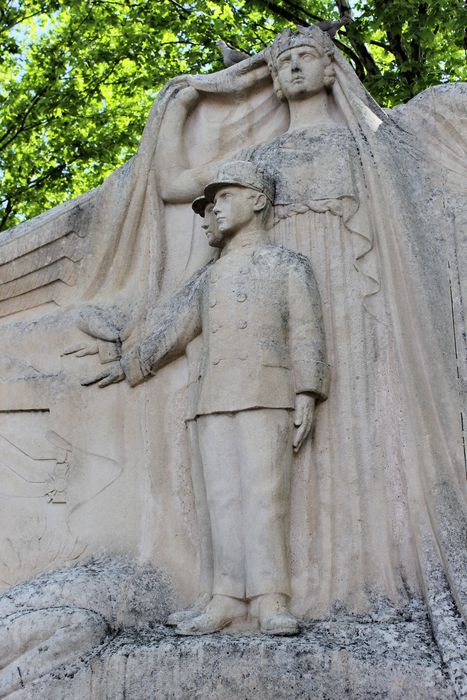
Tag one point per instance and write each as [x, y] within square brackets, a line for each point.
[242, 241]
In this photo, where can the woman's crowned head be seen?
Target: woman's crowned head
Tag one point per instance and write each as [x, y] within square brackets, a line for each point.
[301, 62]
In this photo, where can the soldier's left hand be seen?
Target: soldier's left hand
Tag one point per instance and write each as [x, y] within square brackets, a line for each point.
[303, 418]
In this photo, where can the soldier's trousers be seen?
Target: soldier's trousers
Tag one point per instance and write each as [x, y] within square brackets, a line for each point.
[202, 511]
[247, 459]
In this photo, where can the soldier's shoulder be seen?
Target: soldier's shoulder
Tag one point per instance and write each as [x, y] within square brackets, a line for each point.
[282, 255]
[197, 280]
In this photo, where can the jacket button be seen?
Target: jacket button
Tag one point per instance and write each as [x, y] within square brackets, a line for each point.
[243, 355]
[216, 361]
[212, 302]
[241, 297]
[242, 324]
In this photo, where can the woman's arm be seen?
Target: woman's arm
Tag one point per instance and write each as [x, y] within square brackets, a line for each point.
[178, 183]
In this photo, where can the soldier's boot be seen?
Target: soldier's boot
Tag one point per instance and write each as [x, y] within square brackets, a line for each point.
[220, 612]
[196, 609]
[275, 617]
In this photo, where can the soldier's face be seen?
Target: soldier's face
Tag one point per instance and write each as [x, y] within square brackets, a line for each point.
[300, 72]
[234, 208]
[209, 226]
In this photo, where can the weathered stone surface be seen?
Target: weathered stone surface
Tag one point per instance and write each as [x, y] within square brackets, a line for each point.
[347, 658]
[378, 506]
[54, 620]
[374, 201]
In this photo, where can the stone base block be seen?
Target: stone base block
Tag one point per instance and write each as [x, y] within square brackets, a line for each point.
[330, 660]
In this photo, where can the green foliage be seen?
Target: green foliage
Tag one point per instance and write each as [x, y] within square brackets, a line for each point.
[415, 44]
[77, 78]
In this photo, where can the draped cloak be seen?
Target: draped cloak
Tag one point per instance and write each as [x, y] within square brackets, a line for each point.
[379, 510]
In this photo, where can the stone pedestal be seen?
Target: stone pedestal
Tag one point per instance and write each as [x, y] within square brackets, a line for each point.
[348, 658]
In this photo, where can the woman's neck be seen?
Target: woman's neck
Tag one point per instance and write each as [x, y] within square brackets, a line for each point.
[309, 112]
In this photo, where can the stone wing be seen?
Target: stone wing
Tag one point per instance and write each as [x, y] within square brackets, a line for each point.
[40, 259]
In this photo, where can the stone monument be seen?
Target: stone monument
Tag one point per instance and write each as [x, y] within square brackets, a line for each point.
[367, 210]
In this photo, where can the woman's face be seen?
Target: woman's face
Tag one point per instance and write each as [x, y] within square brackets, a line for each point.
[300, 72]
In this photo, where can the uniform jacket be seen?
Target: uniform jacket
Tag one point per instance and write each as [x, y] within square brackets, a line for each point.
[259, 312]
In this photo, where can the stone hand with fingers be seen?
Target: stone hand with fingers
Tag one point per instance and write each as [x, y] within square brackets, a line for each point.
[111, 375]
[303, 418]
[82, 349]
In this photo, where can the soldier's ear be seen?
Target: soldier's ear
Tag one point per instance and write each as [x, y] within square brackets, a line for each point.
[261, 201]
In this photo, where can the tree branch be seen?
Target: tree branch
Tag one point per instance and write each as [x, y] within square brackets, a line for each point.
[359, 67]
[381, 44]
[282, 11]
[21, 19]
[367, 60]
[415, 45]
[306, 12]
[351, 33]
[7, 211]
[4, 141]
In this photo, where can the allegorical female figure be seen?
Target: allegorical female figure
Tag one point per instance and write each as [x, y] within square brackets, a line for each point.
[321, 210]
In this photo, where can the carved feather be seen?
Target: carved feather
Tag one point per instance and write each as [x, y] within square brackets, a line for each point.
[40, 257]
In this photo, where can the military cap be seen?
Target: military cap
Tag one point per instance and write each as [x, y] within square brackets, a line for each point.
[242, 173]
[199, 205]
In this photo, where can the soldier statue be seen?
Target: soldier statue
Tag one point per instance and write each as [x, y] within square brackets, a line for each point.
[262, 370]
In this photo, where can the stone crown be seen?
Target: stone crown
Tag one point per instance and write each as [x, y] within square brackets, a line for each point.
[303, 36]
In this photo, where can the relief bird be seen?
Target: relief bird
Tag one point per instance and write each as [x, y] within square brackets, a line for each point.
[231, 56]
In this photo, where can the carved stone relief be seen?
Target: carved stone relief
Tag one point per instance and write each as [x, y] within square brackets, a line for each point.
[371, 198]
